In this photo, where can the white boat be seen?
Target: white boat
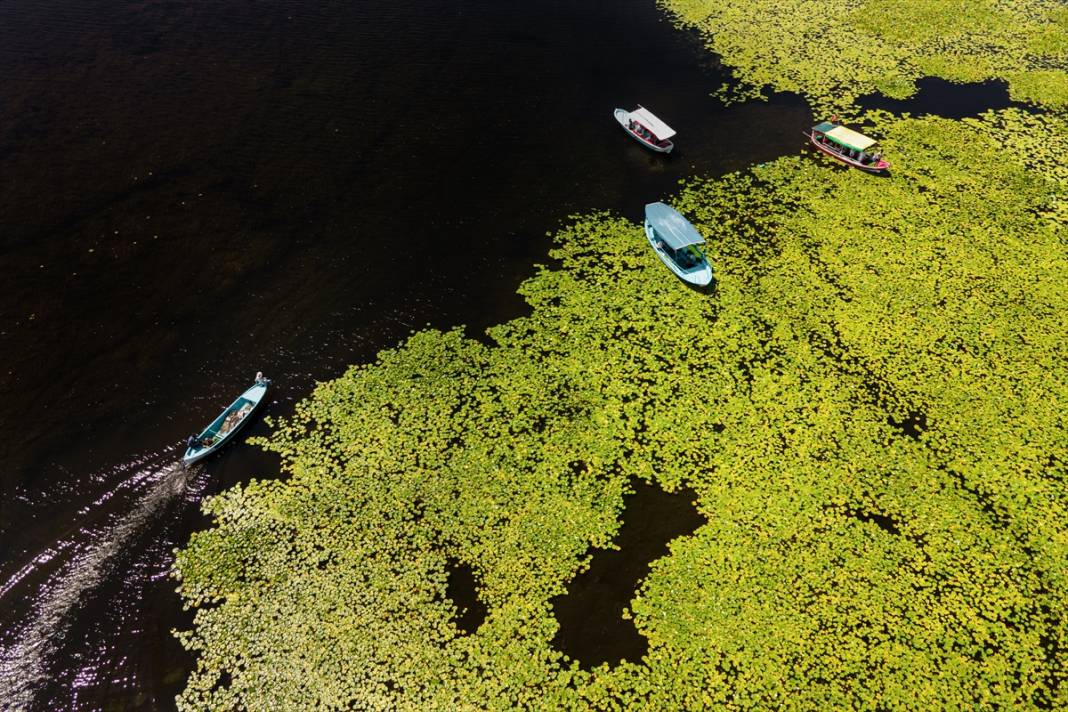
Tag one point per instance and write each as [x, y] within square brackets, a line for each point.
[646, 128]
[678, 244]
[223, 428]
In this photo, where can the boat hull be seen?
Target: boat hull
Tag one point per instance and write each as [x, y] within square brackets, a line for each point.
[879, 167]
[254, 397]
[622, 115]
[700, 276]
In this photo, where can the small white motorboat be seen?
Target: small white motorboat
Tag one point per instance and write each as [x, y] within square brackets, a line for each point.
[678, 244]
[645, 128]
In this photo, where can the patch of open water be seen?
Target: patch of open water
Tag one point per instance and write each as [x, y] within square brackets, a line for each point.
[592, 627]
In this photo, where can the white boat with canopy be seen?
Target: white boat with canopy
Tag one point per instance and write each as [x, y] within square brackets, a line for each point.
[678, 244]
[646, 128]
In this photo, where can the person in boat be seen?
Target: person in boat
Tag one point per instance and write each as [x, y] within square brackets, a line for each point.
[192, 443]
[235, 417]
[232, 419]
[227, 424]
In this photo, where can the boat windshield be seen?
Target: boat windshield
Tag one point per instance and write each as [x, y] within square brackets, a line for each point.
[688, 257]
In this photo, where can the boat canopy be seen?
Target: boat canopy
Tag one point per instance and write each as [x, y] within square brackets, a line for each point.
[849, 138]
[671, 227]
[651, 122]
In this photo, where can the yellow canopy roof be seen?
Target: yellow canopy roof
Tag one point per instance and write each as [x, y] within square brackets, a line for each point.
[849, 137]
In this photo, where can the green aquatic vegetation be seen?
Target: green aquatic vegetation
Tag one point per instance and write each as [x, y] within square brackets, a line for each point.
[1042, 87]
[870, 408]
[834, 51]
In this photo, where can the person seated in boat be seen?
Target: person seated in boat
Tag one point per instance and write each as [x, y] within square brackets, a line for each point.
[235, 417]
[232, 419]
[192, 443]
[207, 441]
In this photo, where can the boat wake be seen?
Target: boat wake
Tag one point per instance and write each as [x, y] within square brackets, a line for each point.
[24, 662]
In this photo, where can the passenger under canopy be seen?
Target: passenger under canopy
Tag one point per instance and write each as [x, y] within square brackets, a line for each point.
[650, 121]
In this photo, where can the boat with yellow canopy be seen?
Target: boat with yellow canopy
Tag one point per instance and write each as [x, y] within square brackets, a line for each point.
[848, 146]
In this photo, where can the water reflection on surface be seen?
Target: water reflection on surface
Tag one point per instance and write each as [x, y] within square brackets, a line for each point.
[75, 566]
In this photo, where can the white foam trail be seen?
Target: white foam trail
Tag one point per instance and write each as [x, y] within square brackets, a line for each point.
[23, 664]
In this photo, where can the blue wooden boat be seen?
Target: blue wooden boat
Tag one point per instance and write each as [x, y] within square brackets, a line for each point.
[678, 244]
[223, 428]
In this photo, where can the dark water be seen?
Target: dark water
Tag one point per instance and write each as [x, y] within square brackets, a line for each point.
[462, 590]
[191, 192]
[951, 100]
[592, 627]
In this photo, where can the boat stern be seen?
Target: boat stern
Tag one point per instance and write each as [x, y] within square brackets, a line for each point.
[700, 277]
[192, 455]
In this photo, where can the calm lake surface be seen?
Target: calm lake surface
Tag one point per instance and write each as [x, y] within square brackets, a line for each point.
[191, 192]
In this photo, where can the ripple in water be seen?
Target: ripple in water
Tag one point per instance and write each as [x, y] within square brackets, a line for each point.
[24, 662]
